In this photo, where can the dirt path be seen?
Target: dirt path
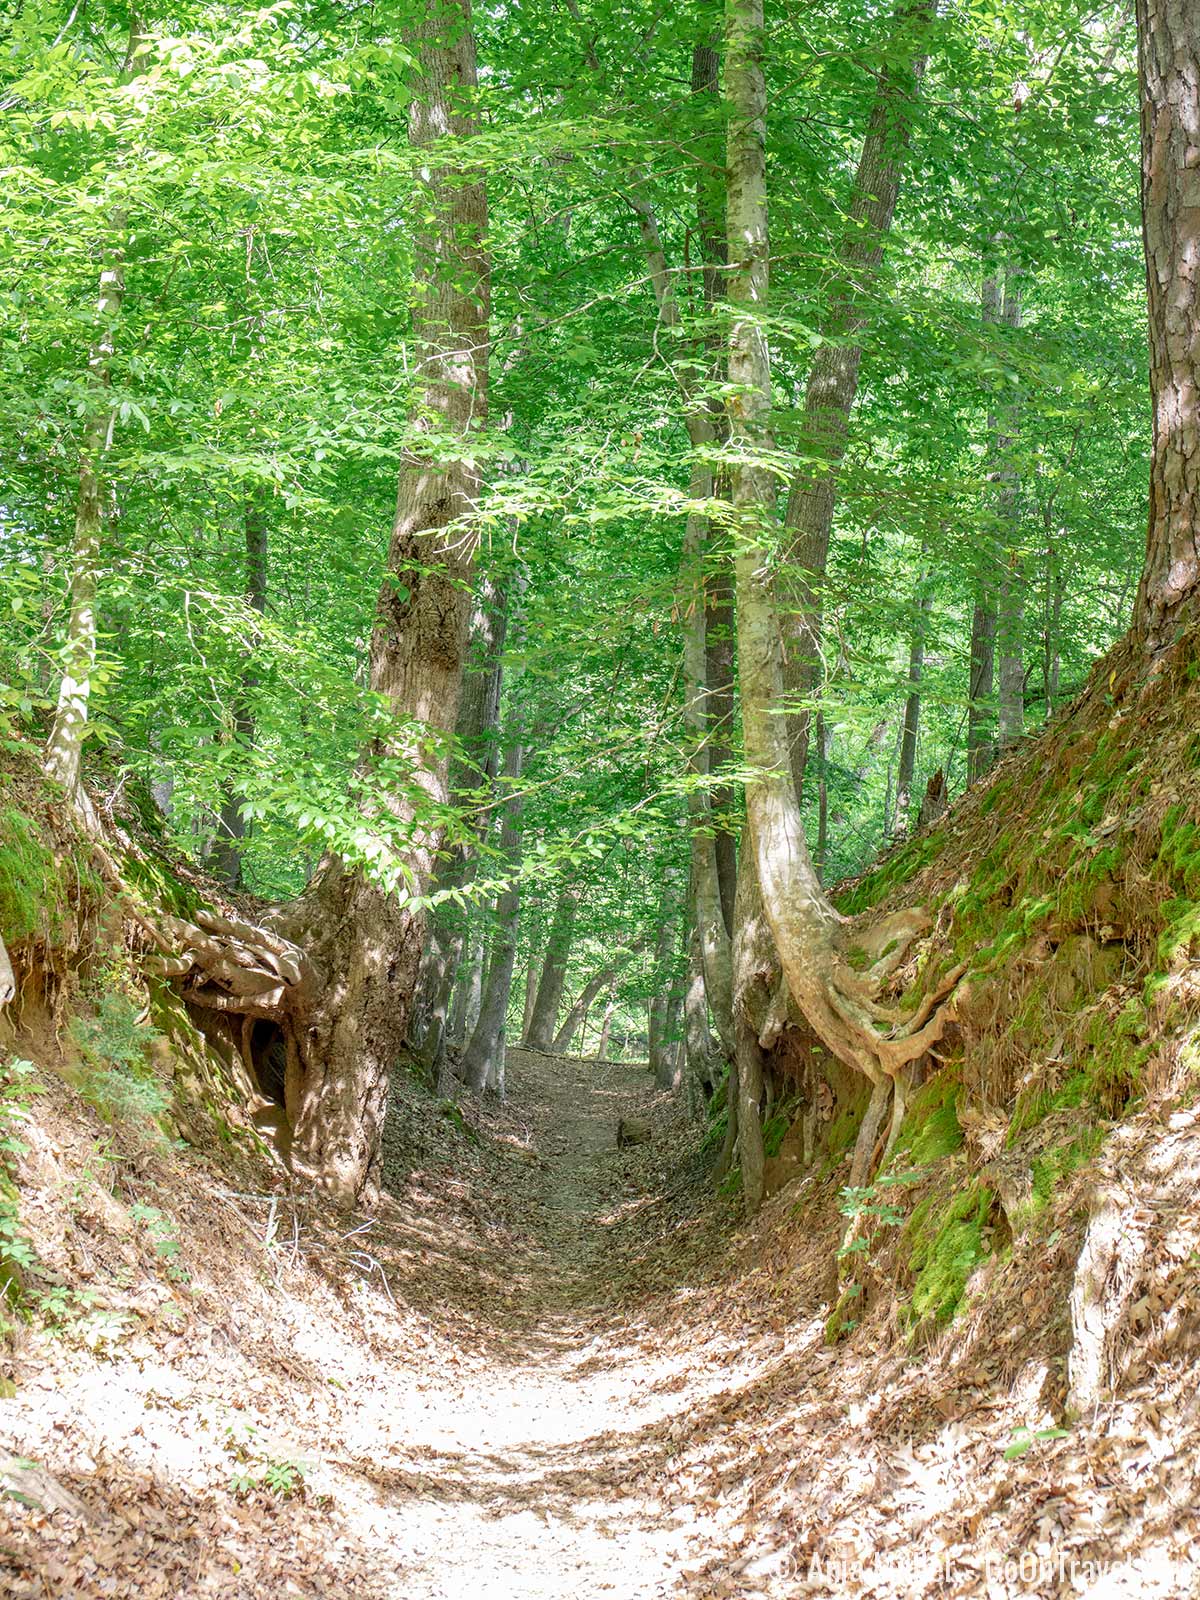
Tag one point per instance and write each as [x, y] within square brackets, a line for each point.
[541, 1369]
[540, 1477]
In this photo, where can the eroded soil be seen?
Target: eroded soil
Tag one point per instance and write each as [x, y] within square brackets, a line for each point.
[547, 1368]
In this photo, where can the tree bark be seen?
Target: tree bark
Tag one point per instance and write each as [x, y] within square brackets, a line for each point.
[531, 972]
[835, 1000]
[906, 765]
[823, 739]
[565, 1037]
[1010, 606]
[367, 939]
[703, 433]
[833, 378]
[540, 1035]
[1169, 75]
[700, 1049]
[483, 1058]
[982, 676]
[719, 627]
[468, 990]
[606, 1021]
[231, 832]
[751, 941]
[472, 773]
[661, 1038]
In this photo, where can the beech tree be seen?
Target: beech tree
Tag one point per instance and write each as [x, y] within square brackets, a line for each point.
[367, 937]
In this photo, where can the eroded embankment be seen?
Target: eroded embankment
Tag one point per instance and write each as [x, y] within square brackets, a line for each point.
[548, 1366]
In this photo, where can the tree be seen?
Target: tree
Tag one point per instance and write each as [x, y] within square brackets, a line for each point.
[1169, 76]
[367, 938]
[64, 750]
[807, 932]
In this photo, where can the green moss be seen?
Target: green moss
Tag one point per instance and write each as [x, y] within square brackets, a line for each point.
[1179, 850]
[994, 796]
[839, 1136]
[1112, 1058]
[948, 1243]
[714, 1134]
[894, 872]
[775, 1130]
[931, 1129]
[151, 878]
[33, 887]
[1118, 1055]
[1034, 1105]
[1054, 1166]
[841, 1320]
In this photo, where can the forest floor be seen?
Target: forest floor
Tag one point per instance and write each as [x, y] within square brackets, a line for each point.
[542, 1368]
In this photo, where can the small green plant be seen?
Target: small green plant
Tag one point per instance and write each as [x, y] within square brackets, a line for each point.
[115, 1077]
[259, 1468]
[163, 1239]
[1024, 1440]
[74, 1315]
[870, 1203]
[18, 1088]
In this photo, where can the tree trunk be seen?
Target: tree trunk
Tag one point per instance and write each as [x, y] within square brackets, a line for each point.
[906, 766]
[482, 1061]
[703, 434]
[531, 971]
[64, 748]
[708, 910]
[666, 1068]
[227, 852]
[565, 1037]
[1169, 74]
[366, 939]
[472, 772]
[719, 626]
[717, 581]
[805, 927]
[982, 671]
[540, 1035]
[1010, 607]
[606, 1023]
[751, 942]
[663, 977]
[700, 1050]
[822, 797]
[468, 990]
[1055, 662]
[833, 378]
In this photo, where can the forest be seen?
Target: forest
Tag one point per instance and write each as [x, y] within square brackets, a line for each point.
[599, 798]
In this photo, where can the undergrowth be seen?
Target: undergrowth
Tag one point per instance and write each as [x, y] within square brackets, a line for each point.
[114, 1074]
